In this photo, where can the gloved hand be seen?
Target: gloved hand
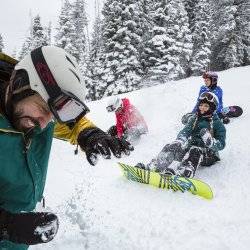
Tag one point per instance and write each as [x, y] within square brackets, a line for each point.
[28, 228]
[207, 137]
[225, 120]
[94, 141]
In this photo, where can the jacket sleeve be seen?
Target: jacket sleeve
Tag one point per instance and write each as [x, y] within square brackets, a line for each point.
[64, 132]
[219, 94]
[219, 137]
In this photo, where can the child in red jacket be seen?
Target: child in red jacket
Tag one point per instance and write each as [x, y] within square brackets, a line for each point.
[130, 123]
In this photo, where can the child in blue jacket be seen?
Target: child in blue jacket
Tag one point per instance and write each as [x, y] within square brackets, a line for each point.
[210, 79]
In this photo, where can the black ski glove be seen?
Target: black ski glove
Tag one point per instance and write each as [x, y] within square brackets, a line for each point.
[225, 120]
[94, 141]
[28, 228]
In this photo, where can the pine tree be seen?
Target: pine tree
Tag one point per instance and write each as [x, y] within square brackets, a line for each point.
[170, 47]
[47, 34]
[26, 47]
[38, 36]
[200, 60]
[146, 8]
[80, 35]
[191, 8]
[96, 85]
[231, 34]
[66, 30]
[122, 67]
[1, 43]
[243, 24]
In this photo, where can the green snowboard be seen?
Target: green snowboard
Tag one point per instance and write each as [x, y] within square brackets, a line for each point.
[173, 182]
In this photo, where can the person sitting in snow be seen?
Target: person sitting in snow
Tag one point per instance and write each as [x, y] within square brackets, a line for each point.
[196, 144]
[211, 79]
[130, 124]
[41, 97]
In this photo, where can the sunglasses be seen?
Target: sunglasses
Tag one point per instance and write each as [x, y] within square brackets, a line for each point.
[67, 108]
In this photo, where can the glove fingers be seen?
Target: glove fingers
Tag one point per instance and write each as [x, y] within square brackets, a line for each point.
[126, 146]
[47, 229]
[103, 149]
[115, 147]
[92, 157]
[40, 228]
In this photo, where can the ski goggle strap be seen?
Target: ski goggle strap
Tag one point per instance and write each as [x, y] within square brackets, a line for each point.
[209, 97]
[65, 106]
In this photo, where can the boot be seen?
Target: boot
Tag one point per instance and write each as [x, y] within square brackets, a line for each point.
[191, 162]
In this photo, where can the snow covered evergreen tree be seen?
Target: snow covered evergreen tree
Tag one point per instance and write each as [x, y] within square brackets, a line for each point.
[122, 67]
[170, 47]
[96, 85]
[243, 25]
[47, 34]
[80, 23]
[146, 8]
[66, 32]
[190, 6]
[38, 36]
[200, 59]
[26, 46]
[1, 43]
[231, 34]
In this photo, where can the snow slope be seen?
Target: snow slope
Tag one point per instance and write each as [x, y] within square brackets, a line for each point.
[99, 209]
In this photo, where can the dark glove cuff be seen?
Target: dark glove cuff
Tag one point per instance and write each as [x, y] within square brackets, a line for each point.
[84, 137]
[5, 218]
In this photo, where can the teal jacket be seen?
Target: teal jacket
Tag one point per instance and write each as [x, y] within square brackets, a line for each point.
[23, 166]
[191, 132]
[22, 178]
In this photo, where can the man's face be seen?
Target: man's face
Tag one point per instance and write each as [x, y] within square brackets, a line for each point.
[31, 111]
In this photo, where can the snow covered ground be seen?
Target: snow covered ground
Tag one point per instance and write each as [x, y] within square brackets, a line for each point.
[99, 209]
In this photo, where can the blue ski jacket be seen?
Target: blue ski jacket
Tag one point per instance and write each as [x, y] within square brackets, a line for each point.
[217, 91]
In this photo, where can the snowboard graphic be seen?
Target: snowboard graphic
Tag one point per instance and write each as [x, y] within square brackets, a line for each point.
[233, 111]
[174, 182]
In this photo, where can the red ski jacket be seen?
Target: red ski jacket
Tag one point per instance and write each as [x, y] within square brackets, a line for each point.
[128, 118]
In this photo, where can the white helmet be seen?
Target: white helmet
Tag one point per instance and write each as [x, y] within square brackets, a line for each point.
[55, 75]
[113, 104]
[63, 67]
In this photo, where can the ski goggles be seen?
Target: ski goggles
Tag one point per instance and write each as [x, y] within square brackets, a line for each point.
[209, 97]
[67, 108]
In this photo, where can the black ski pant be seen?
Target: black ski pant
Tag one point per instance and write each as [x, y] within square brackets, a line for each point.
[195, 155]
